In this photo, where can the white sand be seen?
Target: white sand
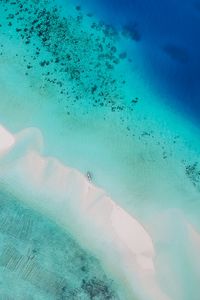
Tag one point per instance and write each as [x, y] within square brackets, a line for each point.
[65, 195]
[6, 139]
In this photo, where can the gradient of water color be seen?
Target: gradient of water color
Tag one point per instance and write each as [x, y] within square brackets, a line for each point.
[108, 91]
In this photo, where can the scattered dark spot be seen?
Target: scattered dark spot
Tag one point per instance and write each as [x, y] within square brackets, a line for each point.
[113, 49]
[90, 15]
[193, 172]
[123, 55]
[135, 100]
[131, 31]
[44, 63]
[176, 53]
[97, 288]
[78, 7]
[145, 133]
[94, 88]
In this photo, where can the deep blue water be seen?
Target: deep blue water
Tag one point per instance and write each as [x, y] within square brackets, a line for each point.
[168, 34]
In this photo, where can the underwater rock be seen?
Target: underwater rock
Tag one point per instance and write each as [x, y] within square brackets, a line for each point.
[193, 173]
[176, 53]
[131, 31]
[97, 288]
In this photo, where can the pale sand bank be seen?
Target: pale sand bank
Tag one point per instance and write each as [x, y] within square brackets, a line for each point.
[144, 156]
[66, 196]
[158, 262]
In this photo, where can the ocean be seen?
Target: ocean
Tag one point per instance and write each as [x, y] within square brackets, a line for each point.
[166, 34]
[100, 184]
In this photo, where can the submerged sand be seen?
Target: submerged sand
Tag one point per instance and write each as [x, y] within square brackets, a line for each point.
[136, 148]
[131, 254]
[65, 195]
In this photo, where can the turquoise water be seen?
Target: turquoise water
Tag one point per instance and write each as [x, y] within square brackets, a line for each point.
[40, 261]
[68, 74]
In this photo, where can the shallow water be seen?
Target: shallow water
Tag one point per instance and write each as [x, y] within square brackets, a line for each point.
[40, 261]
[68, 74]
